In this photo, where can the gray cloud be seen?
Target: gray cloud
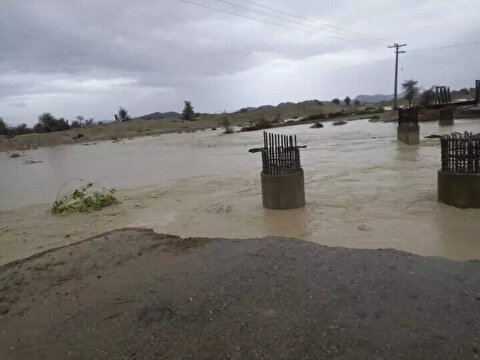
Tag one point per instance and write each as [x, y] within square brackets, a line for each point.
[20, 104]
[88, 57]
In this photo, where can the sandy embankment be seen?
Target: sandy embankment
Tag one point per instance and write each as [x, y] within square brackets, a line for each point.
[111, 131]
[136, 128]
[134, 294]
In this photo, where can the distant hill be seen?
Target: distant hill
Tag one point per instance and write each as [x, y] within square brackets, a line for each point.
[160, 115]
[369, 99]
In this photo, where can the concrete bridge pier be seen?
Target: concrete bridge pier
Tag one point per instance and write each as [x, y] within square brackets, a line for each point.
[446, 117]
[408, 130]
[459, 177]
[409, 135]
[283, 192]
[459, 190]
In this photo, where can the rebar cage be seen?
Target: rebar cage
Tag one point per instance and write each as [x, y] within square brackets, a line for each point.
[280, 154]
[442, 95]
[408, 117]
[461, 153]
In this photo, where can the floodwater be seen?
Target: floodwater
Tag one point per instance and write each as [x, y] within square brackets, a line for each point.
[363, 190]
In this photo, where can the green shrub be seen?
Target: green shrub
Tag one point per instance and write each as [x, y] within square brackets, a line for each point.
[84, 199]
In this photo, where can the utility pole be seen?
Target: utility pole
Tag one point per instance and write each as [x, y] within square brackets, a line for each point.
[396, 47]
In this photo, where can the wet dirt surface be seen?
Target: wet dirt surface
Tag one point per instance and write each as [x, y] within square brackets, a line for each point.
[134, 294]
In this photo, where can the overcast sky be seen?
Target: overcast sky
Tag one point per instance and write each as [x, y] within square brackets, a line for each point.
[88, 57]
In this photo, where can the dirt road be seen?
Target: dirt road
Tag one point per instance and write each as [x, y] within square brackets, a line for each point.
[134, 294]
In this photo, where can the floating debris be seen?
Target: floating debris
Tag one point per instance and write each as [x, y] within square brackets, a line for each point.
[32, 161]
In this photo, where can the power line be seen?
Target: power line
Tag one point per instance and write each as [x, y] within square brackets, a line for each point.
[247, 17]
[446, 46]
[260, 20]
[293, 21]
[309, 20]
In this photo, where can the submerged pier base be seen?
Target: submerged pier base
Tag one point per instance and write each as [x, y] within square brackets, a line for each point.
[446, 117]
[459, 190]
[409, 135]
[283, 192]
[408, 130]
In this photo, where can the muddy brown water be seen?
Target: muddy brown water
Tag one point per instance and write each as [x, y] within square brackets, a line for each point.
[363, 189]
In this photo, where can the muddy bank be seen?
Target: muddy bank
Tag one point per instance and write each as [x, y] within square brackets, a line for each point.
[134, 294]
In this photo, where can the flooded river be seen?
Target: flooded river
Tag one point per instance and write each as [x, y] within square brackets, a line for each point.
[363, 190]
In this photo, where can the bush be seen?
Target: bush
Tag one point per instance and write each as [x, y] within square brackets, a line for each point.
[122, 115]
[19, 130]
[227, 126]
[336, 101]
[84, 199]
[427, 98]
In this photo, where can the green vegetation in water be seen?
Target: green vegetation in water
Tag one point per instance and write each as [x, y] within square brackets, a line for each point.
[84, 199]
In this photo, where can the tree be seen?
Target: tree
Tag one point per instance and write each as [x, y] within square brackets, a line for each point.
[357, 103]
[336, 101]
[3, 127]
[89, 122]
[410, 90]
[123, 114]
[75, 124]
[80, 119]
[427, 97]
[61, 125]
[347, 101]
[188, 113]
[47, 121]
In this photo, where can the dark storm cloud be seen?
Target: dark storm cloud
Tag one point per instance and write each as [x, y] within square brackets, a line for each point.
[150, 55]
